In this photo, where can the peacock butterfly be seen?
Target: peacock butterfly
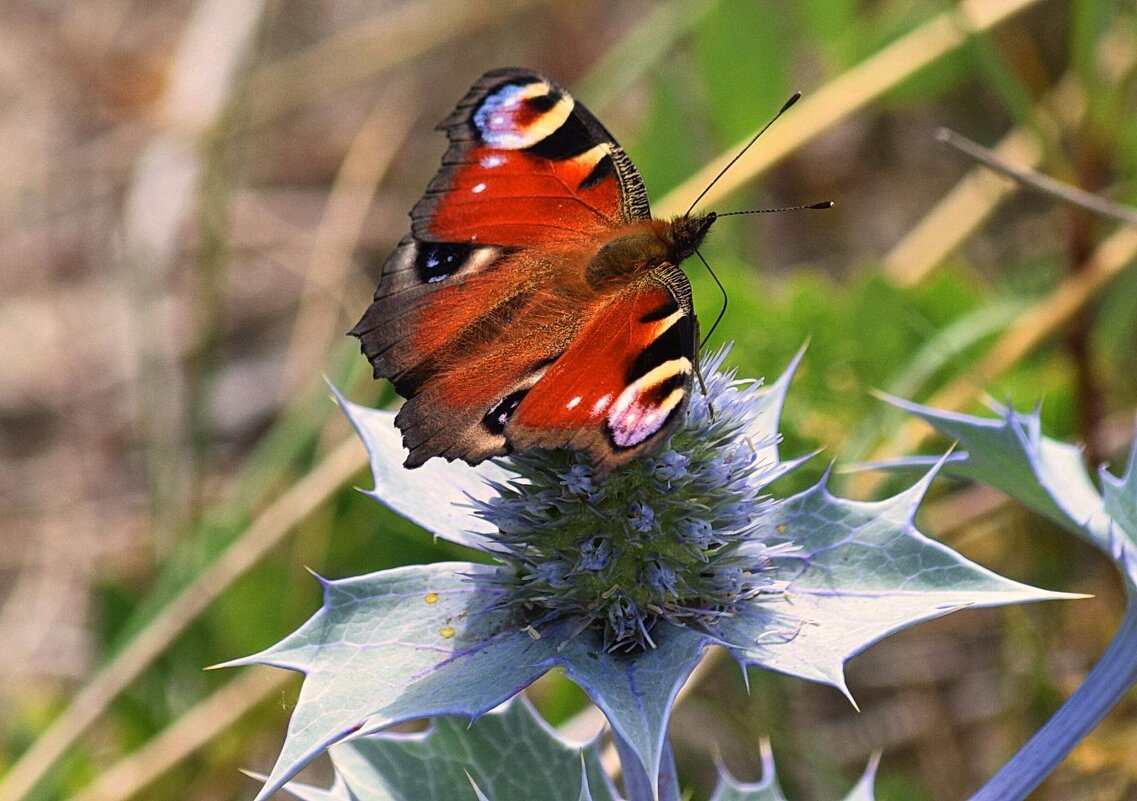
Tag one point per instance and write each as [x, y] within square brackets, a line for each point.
[535, 303]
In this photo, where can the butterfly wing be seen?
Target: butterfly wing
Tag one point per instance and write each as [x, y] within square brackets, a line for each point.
[623, 383]
[528, 166]
[490, 288]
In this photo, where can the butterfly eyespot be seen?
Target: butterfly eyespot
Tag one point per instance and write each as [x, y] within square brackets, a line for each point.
[648, 403]
[437, 261]
[518, 116]
[497, 417]
[545, 102]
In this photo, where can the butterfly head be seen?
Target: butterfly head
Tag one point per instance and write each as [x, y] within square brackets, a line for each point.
[684, 234]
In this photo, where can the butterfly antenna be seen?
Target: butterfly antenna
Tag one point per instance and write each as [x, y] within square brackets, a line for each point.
[707, 336]
[785, 107]
[825, 204]
[722, 309]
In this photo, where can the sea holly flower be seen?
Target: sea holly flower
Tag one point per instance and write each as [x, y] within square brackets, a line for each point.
[622, 581]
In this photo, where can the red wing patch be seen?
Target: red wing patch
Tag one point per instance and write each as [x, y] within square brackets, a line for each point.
[622, 383]
[513, 198]
[528, 166]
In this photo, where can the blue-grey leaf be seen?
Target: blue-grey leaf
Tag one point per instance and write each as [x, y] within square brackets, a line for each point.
[636, 692]
[766, 417]
[448, 485]
[1120, 499]
[864, 789]
[730, 789]
[1011, 454]
[510, 754]
[423, 641]
[479, 795]
[402, 644]
[848, 573]
[337, 792]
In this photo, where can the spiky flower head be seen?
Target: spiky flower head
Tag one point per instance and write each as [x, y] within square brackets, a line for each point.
[675, 536]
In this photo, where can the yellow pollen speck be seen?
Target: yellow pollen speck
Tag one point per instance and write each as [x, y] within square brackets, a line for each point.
[447, 632]
[781, 527]
[432, 598]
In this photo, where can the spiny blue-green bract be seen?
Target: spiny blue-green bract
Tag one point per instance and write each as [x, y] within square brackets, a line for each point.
[676, 535]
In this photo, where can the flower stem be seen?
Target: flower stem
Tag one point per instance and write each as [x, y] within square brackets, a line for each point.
[1112, 677]
[637, 785]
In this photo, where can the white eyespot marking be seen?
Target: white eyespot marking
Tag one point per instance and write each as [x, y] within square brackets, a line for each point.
[591, 157]
[492, 160]
[480, 258]
[601, 404]
[640, 412]
[572, 404]
[505, 120]
[478, 188]
[432, 262]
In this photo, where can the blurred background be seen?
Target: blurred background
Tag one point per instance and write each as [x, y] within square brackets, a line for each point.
[196, 199]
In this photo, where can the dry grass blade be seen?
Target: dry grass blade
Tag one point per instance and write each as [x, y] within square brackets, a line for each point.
[844, 95]
[265, 532]
[638, 51]
[1038, 182]
[1032, 328]
[980, 192]
[371, 152]
[134, 773]
[159, 200]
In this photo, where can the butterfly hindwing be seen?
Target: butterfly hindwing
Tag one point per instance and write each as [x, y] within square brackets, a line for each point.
[625, 380]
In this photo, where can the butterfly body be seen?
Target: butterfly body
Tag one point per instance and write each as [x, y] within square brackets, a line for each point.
[536, 302]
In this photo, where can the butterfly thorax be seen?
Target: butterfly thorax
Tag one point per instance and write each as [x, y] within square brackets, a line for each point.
[646, 246]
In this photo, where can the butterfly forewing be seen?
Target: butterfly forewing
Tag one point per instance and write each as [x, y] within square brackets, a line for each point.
[498, 319]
